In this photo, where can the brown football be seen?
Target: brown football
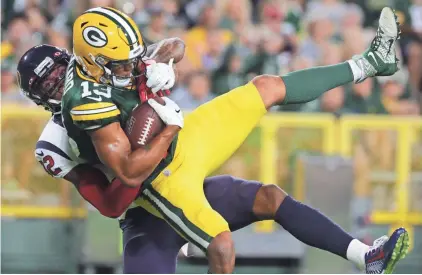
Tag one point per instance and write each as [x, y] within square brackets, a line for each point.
[143, 124]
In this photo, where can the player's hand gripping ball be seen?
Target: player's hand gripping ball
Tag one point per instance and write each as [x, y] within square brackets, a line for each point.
[170, 112]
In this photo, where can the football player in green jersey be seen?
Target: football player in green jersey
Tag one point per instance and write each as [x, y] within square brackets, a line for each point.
[99, 97]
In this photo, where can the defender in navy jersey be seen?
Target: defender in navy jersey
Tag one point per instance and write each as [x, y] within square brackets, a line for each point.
[150, 245]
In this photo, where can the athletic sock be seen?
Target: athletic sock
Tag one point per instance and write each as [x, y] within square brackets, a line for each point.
[306, 85]
[311, 227]
[356, 253]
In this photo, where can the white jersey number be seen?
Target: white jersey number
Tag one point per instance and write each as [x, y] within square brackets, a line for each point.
[99, 92]
[48, 163]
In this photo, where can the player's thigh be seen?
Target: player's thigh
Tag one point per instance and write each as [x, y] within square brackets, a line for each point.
[181, 201]
[233, 198]
[150, 246]
[215, 130]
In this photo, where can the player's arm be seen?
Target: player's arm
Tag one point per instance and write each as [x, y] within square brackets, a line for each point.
[114, 150]
[167, 49]
[111, 199]
[100, 118]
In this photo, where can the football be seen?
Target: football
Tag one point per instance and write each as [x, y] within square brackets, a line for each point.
[143, 124]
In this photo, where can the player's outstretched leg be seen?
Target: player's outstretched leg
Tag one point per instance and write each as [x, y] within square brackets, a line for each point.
[306, 85]
[243, 202]
[315, 229]
[216, 129]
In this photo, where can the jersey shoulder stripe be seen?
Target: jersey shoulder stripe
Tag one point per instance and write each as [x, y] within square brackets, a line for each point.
[94, 111]
[42, 144]
[93, 106]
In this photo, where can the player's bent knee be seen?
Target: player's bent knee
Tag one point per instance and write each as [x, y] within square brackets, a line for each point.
[222, 245]
[268, 200]
[271, 89]
[221, 254]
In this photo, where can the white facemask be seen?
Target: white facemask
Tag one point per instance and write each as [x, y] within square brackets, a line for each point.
[121, 82]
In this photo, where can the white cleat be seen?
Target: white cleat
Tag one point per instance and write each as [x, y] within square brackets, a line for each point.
[380, 58]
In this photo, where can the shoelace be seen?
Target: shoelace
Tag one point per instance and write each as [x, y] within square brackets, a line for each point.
[374, 251]
[377, 40]
[380, 240]
[377, 245]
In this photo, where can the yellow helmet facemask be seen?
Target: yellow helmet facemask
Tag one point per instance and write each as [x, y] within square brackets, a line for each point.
[108, 46]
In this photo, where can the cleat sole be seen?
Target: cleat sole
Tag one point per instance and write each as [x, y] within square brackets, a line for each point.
[399, 252]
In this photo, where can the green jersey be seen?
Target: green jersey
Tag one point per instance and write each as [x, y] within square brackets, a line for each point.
[88, 106]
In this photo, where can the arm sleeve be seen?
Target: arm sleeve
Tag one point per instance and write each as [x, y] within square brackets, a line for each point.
[111, 199]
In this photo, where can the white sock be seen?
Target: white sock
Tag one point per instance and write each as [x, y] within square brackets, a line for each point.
[356, 253]
[357, 72]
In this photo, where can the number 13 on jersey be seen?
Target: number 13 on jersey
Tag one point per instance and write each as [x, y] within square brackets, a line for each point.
[95, 91]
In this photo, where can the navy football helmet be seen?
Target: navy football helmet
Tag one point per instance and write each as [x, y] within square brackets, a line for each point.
[41, 75]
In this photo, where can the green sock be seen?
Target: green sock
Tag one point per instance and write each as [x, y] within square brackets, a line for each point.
[307, 85]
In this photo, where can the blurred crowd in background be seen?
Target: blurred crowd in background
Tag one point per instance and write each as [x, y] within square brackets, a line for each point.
[230, 41]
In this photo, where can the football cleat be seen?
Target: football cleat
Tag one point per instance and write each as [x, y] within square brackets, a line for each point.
[383, 256]
[380, 58]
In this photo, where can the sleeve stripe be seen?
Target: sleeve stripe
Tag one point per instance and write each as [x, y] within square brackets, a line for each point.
[94, 111]
[95, 116]
[42, 144]
[92, 106]
[92, 127]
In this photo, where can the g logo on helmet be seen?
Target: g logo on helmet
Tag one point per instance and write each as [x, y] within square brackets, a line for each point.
[94, 37]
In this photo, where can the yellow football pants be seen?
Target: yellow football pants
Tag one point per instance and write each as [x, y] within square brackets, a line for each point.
[211, 134]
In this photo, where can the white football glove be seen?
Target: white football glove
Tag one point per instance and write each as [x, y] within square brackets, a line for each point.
[160, 76]
[169, 113]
